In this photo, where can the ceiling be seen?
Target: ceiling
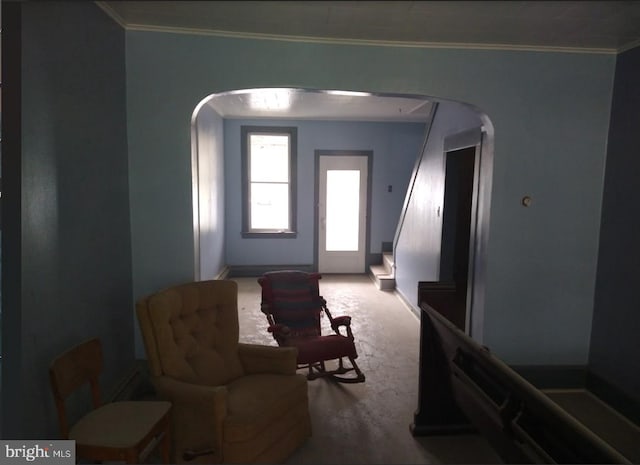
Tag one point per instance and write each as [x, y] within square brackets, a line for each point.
[582, 26]
[592, 25]
[324, 105]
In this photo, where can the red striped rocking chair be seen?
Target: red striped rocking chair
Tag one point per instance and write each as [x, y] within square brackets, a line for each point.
[293, 305]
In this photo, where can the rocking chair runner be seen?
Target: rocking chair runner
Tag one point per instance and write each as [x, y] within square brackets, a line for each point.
[293, 305]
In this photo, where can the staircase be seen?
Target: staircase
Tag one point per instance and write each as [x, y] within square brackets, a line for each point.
[384, 274]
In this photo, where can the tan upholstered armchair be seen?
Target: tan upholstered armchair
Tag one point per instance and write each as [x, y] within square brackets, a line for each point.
[232, 402]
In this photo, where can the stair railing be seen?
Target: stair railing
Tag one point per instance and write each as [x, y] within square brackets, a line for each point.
[412, 182]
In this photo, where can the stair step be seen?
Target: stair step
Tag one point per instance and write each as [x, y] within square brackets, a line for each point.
[386, 284]
[387, 261]
[381, 271]
[384, 280]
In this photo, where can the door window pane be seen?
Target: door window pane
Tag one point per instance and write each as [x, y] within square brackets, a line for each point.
[343, 204]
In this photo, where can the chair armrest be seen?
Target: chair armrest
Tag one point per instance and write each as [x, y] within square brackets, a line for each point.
[179, 391]
[197, 415]
[280, 333]
[279, 330]
[341, 321]
[257, 358]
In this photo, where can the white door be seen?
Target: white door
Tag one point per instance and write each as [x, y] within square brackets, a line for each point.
[342, 213]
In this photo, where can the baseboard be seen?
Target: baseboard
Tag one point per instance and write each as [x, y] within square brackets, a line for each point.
[135, 385]
[406, 302]
[614, 397]
[244, 271]
[224, 273]
[124, 386]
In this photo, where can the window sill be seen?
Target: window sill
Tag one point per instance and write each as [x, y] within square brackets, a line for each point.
[270, 235]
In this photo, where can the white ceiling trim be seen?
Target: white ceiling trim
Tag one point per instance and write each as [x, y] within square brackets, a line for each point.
[360, 42]
[365, 42]
[629, 46]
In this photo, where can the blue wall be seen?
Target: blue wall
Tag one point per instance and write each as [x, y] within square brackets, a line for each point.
[615, 344]
[75, 281]
[550, 113]
[209, 187]
[418, 249]
[395, 148]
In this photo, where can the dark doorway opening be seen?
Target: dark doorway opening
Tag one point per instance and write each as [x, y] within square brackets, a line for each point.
[457, 230]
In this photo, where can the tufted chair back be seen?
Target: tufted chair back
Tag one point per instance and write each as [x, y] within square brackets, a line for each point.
[191, 332]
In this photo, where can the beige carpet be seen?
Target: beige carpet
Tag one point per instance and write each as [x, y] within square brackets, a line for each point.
[367, 423]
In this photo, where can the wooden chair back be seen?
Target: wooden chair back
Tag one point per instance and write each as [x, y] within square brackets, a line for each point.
[72, 369]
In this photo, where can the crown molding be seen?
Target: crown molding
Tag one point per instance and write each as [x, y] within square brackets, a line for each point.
[111, 13]
[629, 46]
[359, 42]
[365, 42]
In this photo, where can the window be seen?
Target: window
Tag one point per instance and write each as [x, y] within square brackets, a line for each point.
[268, 181]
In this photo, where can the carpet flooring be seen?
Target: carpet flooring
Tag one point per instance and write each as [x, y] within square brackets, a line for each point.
[367, 423]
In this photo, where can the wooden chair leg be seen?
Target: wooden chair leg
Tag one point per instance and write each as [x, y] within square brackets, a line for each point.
[165, 445]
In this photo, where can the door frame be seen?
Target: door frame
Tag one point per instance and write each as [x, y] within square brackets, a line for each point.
[472, 138]
[316, 203]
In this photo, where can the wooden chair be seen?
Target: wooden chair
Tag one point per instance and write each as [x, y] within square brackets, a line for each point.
[116, 431]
